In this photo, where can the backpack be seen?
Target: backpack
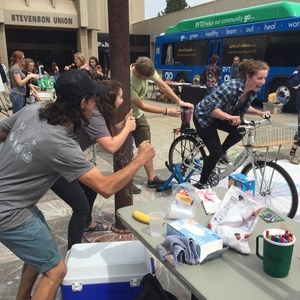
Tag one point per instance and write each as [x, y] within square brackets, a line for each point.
[211, 72]
[152, 290]
[203, 77]
[294, 80]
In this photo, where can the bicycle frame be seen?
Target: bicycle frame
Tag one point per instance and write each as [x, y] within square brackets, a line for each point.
[219, 172]
[274, 185]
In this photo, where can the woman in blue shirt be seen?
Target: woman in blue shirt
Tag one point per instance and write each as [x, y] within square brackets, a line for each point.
[224, 109]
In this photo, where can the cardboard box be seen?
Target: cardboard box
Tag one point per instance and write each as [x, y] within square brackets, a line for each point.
[208, 244]
[106, 271]
[243, 182]
[273, 108]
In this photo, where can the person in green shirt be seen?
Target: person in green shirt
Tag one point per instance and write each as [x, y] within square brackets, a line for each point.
[141, 71]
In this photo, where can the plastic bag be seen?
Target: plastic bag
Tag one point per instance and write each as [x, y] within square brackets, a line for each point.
[210, 200]
[182, 204]
[236, 218]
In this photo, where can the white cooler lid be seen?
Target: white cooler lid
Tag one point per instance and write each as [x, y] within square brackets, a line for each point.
[90, 263]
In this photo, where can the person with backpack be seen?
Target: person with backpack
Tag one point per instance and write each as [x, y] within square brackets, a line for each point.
[213, 74]
[294, 81]
[42, 73]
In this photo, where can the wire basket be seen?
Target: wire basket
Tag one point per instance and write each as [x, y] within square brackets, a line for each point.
[268, 136]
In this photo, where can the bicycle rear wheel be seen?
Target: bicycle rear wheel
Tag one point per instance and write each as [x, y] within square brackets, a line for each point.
[187, 151]
[275, 187]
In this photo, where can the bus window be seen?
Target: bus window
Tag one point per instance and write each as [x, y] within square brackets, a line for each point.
[244, 47]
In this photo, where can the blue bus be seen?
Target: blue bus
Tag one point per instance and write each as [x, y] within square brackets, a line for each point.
[269, 32]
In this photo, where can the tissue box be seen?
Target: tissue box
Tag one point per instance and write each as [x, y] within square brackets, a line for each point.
[243, 182]
[208, 244]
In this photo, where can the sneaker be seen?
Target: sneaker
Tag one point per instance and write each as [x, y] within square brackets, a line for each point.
[135, 190]
[225, 160]
[293, 159]
[156, 182]
[200, 186]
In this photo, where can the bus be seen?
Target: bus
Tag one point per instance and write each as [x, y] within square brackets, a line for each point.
[269, 32]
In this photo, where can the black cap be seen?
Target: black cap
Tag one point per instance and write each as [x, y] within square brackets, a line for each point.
[75, 84]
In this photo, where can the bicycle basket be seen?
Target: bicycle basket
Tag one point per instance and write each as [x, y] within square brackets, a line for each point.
[268, 136]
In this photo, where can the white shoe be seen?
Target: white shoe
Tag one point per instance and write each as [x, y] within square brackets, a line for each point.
[293, 159]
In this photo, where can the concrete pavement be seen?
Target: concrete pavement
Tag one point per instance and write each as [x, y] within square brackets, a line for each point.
[58, 213]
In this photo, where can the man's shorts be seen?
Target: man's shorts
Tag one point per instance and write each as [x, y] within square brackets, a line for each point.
[142, 131]
[33, 243]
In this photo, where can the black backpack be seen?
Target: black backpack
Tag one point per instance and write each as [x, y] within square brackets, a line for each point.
[203, 77]
[152, 290]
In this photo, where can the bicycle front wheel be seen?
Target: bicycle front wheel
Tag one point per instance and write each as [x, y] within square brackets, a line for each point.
[188, 152]
[274, 186]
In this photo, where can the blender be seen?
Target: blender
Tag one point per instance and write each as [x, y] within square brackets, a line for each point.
[186, 114]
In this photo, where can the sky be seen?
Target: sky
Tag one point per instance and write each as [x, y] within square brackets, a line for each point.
[152, 7]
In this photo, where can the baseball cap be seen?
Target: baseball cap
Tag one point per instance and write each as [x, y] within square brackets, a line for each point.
[75, 84]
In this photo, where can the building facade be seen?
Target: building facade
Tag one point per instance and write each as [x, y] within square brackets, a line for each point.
[53, 30]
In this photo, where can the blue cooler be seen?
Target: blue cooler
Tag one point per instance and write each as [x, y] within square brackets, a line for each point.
[106, 271]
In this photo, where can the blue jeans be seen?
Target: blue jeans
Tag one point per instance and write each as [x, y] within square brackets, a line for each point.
[18, 101]
[211, 89]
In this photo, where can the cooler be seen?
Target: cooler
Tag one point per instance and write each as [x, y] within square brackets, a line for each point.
[106, 271]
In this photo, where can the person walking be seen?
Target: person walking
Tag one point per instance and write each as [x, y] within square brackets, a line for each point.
[234, 68]
[213, 74]
[36, 152]
[6, 84]
[142, 70]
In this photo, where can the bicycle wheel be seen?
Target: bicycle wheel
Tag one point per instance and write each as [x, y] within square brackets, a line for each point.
[186, 151]
[275, 187]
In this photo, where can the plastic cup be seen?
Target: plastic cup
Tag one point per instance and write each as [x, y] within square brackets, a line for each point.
[277, 256]
[156, 222]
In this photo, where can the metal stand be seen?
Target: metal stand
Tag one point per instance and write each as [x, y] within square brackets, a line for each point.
[94, 158]
[5, 111]
[175, 174]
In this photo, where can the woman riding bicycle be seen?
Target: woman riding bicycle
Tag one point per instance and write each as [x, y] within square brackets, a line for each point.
[224, 109]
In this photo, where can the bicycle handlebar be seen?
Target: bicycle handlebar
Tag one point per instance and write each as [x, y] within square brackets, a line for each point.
[245, 123]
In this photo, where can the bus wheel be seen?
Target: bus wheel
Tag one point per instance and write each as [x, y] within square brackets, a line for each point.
[182, 78]
[281, 84]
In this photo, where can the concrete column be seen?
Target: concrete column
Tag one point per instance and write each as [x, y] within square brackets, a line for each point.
[3, 48]
[82, 42]
[92, 43]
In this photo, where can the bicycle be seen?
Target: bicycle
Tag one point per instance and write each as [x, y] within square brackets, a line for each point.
[273, 184]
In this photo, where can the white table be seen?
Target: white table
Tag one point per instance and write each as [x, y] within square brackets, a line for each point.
[232, 276]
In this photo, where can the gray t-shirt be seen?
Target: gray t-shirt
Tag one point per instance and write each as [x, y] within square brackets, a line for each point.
[35, 154]
[17, 89]
[88, 134]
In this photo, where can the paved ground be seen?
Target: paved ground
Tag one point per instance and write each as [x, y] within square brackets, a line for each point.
[58, 213]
